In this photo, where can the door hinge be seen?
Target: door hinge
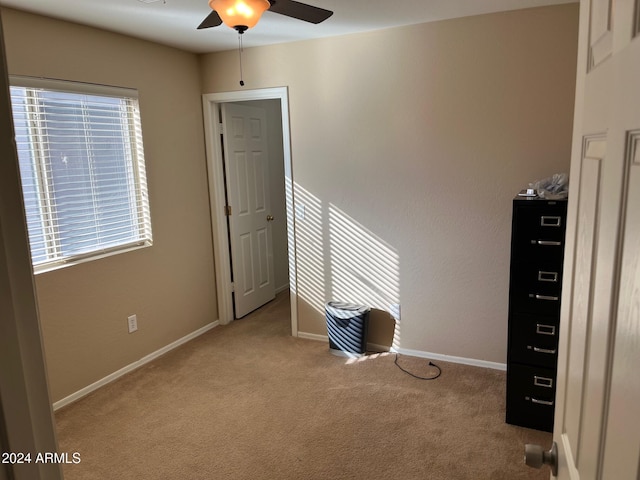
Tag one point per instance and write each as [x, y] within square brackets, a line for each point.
[227, 210]
[233, 287]
[221, 128]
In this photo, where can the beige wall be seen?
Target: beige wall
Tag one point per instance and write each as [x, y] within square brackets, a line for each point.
[170, 286]
[408, 145]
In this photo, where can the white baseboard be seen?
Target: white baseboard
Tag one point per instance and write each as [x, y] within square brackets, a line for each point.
[282, 288]
[448, 358]
[132, 366]
[417, 353]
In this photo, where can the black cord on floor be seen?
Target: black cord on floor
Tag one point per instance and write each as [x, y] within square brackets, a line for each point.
[431, 364]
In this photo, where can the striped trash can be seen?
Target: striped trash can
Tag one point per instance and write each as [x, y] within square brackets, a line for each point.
[347, 326]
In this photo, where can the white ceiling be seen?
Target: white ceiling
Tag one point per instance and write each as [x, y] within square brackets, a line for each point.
[174, 22]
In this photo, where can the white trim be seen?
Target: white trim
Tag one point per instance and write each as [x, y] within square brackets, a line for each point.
[132, 366]
[282, 288]
[210, 102]
[72, 86]
[217, 204]
[417, 353]
[451, 359]
[89, 257]
[26, 418]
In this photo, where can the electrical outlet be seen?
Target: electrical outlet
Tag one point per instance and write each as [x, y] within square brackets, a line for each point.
[133, 323]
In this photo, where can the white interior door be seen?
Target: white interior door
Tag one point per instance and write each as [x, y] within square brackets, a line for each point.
[597, 426]
[247, 174]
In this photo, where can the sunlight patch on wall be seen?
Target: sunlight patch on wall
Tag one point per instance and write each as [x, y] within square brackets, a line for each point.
[288, 194]
[364, 269]
[309, 248]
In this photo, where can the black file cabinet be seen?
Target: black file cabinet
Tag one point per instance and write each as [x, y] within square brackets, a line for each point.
[537, 253]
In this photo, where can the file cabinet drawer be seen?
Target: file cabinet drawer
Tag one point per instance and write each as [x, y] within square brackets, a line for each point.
[538, 231]
[531, 395]
[534, 340]
[536, 288]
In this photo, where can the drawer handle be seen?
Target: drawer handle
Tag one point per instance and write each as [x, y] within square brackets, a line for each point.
[547, 276]
[543, 381]
[544, 350]
[546, 221]
[547, 242]
[542, 402]
[547, 297]
[542, 329]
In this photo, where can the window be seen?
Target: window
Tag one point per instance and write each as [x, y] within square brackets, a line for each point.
[82, 168]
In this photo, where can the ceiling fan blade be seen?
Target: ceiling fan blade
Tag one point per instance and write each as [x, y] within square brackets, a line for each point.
[300, 11]
[212, 20]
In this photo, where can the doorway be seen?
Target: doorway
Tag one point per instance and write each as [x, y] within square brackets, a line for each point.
[222, 257]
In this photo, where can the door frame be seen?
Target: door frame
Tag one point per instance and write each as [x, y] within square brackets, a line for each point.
[222, 259]
[26, 414]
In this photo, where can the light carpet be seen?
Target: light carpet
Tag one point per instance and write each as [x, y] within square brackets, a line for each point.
[248, 401]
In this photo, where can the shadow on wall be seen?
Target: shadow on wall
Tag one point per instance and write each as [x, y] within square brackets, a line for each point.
[339, 259]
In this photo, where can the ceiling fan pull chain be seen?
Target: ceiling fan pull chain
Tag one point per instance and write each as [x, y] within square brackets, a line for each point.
[240, 55]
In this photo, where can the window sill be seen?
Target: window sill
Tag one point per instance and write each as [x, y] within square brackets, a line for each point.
[89, 257]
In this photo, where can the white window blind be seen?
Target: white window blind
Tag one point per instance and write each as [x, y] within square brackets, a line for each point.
[82, 168]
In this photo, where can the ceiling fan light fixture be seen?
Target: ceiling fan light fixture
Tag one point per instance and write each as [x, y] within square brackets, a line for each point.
[240, 14]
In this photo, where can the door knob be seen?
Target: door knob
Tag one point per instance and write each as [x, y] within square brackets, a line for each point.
[269, 218]
[535, 457]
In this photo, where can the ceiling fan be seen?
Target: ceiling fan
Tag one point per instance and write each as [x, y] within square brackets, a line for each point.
[244, 14]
